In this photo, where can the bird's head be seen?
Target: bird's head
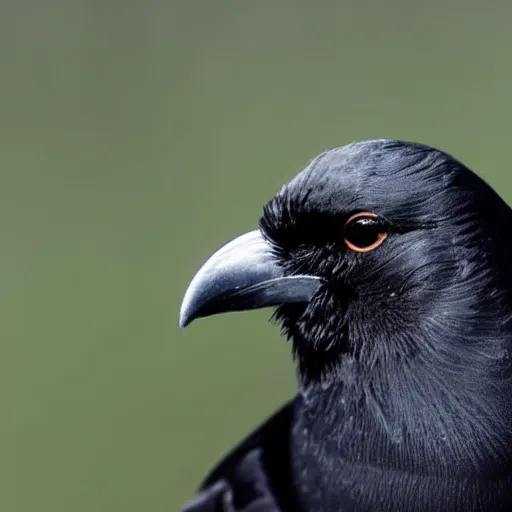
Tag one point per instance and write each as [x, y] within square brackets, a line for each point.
[377, 254]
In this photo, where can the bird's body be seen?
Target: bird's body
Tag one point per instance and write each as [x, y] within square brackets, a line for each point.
[365, 465]
[390, 265]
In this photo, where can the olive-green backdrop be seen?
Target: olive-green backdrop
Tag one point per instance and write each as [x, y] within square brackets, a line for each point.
[137, 137]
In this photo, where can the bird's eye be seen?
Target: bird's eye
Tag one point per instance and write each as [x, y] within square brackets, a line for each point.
[365, 231]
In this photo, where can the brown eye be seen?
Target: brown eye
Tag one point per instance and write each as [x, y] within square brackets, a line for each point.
[365, 231]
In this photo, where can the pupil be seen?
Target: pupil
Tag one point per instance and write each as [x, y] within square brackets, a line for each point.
[363, 232]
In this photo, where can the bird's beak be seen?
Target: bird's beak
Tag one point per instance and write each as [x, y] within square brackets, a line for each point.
[241, 275]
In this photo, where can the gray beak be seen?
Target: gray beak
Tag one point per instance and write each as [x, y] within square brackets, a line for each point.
[242, 275]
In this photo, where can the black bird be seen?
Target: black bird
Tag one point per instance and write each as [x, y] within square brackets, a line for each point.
[390, 264]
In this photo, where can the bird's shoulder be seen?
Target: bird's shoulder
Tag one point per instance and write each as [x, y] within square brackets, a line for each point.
[256, 475]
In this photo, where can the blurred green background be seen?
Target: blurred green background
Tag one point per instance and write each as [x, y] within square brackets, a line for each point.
[134, 140]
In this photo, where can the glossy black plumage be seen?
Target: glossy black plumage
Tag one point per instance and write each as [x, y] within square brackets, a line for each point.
[405, 376]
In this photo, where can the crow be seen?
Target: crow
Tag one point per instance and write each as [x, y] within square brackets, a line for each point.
[389, 264]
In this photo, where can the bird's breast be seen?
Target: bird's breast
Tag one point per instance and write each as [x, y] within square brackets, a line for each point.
[358, 471]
